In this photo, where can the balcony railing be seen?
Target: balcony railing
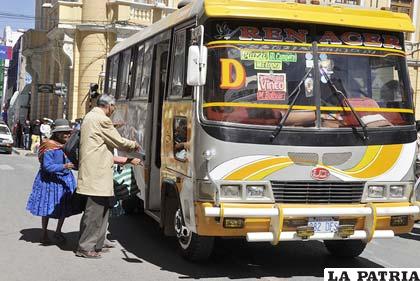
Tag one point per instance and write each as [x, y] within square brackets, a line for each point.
[141, 12]
[141, 15]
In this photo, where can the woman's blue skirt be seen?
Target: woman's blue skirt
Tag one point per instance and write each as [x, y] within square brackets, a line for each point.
[51, 195]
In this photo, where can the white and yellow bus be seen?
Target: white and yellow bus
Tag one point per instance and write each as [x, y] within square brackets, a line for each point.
[272, 122]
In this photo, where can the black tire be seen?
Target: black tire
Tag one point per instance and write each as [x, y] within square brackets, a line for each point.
[345, 248]
[192, 246]
[171, 206]
[132, 205]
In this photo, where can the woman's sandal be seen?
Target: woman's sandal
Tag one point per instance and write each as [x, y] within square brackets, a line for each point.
[59, 237]
[88, 254]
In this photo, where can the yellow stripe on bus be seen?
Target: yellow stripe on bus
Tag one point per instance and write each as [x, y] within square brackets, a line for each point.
[377, 160]
[359, 47]
[261, 174]
[225, 42]
[385, 161]
[306, 107]
[252, 168]
[370, 109]
[370, 154]
[374, 163]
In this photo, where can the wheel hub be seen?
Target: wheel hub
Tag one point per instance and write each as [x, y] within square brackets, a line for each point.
[182, 232]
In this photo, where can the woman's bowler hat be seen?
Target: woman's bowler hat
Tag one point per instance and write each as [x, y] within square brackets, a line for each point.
[61, 125]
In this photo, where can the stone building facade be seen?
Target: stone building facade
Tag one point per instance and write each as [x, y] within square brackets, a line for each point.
[70, 43]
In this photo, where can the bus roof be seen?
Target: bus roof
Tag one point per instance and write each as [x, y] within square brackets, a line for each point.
[304, 13]
[274, 10]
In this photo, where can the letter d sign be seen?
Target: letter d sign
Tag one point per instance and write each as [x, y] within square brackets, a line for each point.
[233, 74]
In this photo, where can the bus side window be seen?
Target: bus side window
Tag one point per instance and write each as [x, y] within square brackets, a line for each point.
[178, 64]
[107, 78]
[188, 90]
[113, 74]
[180, 139]
[124, 78]
[139, 72]
[147, 70]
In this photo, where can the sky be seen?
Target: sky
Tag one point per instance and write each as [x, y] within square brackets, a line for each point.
[17, 7]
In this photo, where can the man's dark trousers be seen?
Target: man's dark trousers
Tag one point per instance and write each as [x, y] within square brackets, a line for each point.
[94, 223]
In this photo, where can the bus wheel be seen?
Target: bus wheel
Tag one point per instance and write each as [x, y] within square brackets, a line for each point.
[192, 246]
[345, 248]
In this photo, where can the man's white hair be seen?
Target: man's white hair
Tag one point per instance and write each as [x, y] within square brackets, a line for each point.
[105, 100]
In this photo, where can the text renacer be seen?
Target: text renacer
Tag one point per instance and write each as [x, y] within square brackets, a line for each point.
[328, 37]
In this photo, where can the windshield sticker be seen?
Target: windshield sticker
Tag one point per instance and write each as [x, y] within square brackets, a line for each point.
[309, 64]
[267, 60]
[265, 55]
[268, 65]
[271, 86]
[289, 35]
[233, 74]
[309, 87]
[309, 60]
[327, 65]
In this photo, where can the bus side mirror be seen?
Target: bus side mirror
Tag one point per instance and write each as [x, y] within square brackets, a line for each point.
[197, 65]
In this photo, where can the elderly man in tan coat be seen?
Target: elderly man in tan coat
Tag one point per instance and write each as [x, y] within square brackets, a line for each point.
[98, 139]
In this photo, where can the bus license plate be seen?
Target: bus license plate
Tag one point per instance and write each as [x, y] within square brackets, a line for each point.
[323, 224]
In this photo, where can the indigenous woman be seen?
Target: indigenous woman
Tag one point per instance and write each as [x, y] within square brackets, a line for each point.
[54, 184]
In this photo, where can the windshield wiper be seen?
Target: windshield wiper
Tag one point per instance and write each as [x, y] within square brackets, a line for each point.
[283, 120]
[339, 94]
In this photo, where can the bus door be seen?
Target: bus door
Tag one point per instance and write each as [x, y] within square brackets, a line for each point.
[158, 92]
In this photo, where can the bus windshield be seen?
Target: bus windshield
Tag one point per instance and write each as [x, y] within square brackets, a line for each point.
[374, 83]
[254, 83]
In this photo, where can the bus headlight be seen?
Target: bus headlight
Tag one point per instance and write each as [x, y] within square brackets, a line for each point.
[376, 191]
[230, 191]
[387, 192]
[396, 191]
[206, 190]
[255, 191]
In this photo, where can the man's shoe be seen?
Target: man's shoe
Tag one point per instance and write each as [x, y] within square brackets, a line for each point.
[88, 254]
[103, 250]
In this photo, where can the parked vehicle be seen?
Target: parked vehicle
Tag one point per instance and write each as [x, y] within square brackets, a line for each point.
[6, 139]
[271, 121]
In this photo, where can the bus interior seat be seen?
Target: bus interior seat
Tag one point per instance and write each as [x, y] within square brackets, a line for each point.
[384, 118]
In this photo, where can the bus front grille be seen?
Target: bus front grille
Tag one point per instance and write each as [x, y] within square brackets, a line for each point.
[317, 192]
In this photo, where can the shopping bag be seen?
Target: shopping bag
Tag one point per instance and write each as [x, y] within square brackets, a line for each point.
[125, 184]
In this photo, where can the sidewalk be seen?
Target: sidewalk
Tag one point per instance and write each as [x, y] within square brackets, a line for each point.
[23, 152]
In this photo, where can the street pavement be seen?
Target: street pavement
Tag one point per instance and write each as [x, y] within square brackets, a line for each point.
[143, 253]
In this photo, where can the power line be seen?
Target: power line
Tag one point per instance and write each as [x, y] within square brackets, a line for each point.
[8, 14]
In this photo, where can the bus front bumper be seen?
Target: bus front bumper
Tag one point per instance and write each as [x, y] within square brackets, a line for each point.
[370, 213]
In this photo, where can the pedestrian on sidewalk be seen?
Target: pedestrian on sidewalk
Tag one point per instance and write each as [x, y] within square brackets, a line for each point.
[95, 178]
[27, 135]
[36, 136]
[45, 129]
[54, 184]
[19, 134]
